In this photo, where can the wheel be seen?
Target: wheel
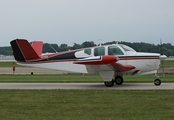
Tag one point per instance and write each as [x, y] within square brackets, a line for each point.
[118, 80]
[157, 82]
[109, 83]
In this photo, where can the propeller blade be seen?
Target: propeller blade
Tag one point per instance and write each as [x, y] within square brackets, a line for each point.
[162, 59]
[161, 46]
[163, 67]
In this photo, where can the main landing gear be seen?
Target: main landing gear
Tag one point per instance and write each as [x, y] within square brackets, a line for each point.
[109, 83]
[118, 81]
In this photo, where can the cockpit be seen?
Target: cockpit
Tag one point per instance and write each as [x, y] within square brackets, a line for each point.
[116, 49]
[112, 50]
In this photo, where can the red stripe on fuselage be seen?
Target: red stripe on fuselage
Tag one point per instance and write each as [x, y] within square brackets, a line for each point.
[72, 60]
[139, 58]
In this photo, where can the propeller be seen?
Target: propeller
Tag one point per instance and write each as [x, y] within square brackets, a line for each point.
[162, 57]
[161, 47]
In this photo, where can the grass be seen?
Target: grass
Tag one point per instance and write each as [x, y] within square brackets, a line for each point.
[9, 64]
[86, 104]
[168, 63]
[78, 78]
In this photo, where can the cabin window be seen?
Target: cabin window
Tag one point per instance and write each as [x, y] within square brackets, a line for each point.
[99, 51]
[114, 50]
[88, 51]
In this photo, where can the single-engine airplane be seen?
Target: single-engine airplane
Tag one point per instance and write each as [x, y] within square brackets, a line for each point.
[111, 62]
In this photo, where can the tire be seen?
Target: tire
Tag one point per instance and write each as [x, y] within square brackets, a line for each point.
[157, 82]
[109, 83]
[118, 80]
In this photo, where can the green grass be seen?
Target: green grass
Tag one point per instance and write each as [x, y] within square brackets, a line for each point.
[86, 104]
[9, 64]
[63, 78]
[50, 78]
[168, 63]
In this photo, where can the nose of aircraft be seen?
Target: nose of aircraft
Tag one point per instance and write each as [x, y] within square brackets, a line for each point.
[162, 57]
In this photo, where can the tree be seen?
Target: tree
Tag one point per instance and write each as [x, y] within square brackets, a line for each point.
[168, 48]
[63, 47]
[88, 44]
[76, 46]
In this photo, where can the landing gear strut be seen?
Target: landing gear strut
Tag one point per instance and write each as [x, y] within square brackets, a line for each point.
[157, 81]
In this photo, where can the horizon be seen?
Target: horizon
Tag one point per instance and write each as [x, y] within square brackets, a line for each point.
[99, 43]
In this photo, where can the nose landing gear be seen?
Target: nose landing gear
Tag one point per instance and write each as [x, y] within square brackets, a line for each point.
[157, 81]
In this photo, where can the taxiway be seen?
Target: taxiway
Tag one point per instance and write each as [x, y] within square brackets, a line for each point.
[124, 86]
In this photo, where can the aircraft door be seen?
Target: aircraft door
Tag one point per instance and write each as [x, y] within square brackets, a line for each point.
[100, 51]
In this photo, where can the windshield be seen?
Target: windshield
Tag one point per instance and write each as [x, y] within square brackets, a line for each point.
[126, 48]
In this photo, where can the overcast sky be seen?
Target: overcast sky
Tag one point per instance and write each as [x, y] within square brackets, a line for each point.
[69, 21]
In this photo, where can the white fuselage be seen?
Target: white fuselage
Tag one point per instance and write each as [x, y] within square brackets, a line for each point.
[144, 63]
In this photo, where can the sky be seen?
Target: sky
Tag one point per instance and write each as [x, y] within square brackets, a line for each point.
[77, 21]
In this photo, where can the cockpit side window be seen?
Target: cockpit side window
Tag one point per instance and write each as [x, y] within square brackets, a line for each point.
[114, 50]
[99, 51]
[87, 51]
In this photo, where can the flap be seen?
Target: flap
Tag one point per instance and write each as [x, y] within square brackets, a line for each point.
[121, 68]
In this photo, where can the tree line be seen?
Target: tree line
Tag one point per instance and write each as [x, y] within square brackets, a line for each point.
[167, 48]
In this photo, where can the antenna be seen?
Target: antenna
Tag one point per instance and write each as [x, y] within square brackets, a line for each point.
[100, 42]
[53, 48]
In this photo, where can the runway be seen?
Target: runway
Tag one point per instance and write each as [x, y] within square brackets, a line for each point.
[124, 86]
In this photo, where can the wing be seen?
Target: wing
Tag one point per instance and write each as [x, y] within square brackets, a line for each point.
[104, 65]
[109, 60]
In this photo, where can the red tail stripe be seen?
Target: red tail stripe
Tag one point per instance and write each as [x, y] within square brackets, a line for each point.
[26, 49]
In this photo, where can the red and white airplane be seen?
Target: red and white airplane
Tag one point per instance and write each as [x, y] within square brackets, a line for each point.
[109, 61]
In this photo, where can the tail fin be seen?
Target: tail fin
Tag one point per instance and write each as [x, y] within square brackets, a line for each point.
[37, 46]
[22, 50]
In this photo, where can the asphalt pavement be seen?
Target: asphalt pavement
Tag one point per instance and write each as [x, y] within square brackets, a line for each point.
[124, 86]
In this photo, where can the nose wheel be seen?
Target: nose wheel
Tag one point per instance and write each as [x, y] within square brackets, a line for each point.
[157, 82]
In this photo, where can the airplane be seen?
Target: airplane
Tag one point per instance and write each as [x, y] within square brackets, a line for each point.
[111, 62]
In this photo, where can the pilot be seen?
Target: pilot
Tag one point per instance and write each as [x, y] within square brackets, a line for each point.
[114, 51]
[96, 53]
